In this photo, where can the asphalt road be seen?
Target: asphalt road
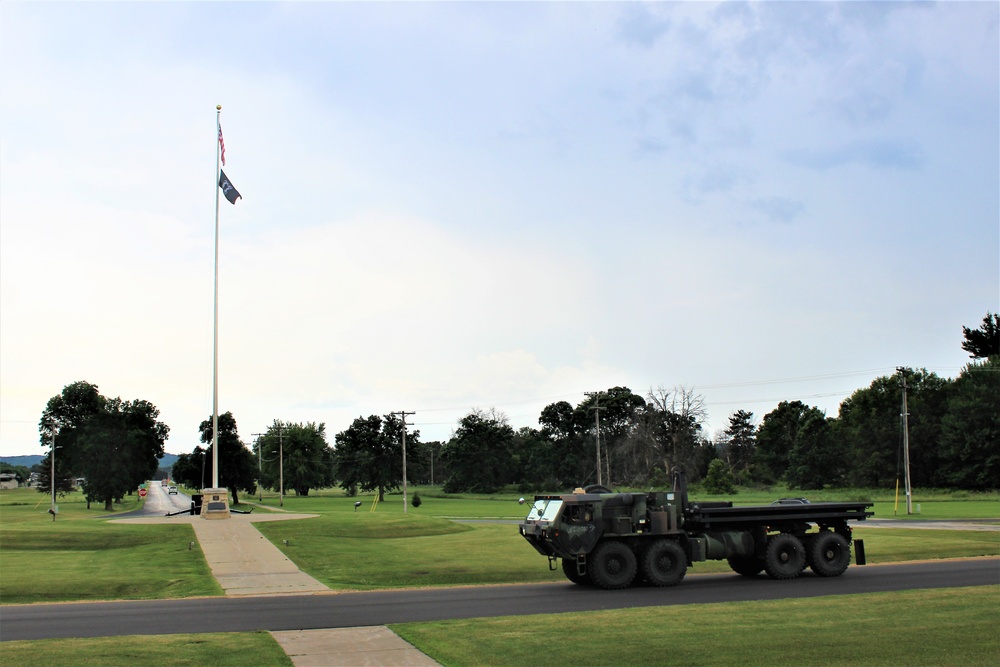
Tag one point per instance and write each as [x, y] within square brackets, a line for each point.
[294, 612]
[159, 503]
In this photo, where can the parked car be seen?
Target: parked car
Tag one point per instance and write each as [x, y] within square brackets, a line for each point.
[791, 501]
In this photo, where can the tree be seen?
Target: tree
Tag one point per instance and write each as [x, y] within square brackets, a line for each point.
[479, 453]
[63, 419]
[617, 407]
[369, 454]
[983, 342]
[673, 427]
[871, 431]
[113, 444]
[970, 434]
[741, 440]
[308, 461]
[237, 465]
[566, 457]
[119, 449]
[777, 436]
[190, 469]
[816, 459]
[64, 479]
[423, 461]
[531, 468]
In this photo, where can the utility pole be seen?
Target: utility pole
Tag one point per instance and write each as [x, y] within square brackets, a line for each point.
[597, 430]
[260, 470]
[906, 444]
[281, 468]
[402, 417]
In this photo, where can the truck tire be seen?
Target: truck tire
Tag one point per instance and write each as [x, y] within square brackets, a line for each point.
[664, 563]
[572, 573]
[748, 566]
[611, 565]
[829, 554]
[784, 556]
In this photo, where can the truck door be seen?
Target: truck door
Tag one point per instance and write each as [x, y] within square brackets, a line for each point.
[579, 529]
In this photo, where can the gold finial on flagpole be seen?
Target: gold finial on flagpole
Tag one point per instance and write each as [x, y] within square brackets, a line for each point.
[218, 107]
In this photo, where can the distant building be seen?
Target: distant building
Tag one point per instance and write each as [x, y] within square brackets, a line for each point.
[8, 480]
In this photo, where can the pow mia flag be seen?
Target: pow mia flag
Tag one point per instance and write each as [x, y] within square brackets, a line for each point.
[231, 193]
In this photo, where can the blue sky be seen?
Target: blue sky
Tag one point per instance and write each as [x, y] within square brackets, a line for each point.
[451, 206]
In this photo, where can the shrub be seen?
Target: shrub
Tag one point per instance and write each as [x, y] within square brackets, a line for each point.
[719, 478]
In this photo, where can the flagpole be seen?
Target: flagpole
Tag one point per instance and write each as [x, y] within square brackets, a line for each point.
[215, 329]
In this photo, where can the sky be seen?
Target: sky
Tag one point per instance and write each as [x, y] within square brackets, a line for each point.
[449, 206]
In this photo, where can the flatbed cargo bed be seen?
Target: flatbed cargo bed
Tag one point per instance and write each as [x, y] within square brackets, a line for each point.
[711, 516]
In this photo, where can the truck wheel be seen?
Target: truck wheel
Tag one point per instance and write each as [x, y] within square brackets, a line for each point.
[572, 573]
[597, 488]
[664, 563]
[784, 556]
[830, 554]
[611, 565]
[748, 566]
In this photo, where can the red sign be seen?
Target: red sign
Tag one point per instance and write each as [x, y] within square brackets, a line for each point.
[142, 493]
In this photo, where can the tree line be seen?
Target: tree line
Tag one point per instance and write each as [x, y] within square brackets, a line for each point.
[614, 436]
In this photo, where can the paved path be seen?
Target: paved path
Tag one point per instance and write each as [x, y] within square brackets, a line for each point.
[245, 563]
[374, 646]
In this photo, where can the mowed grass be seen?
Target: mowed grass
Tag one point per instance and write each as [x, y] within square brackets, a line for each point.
[934, 627]
[371, 551]
[939, 510]
[460, 507]
[221, 649]
[77, 558]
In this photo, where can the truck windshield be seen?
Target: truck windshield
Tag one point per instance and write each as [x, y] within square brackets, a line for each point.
[544, 510]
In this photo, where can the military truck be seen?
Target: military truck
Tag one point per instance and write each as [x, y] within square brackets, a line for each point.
[613, 540]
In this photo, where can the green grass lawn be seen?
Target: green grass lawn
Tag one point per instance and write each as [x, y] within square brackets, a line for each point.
[79, 556]
[935, 627]
[220, 649]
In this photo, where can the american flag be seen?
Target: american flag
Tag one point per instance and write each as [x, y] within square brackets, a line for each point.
[222, 146]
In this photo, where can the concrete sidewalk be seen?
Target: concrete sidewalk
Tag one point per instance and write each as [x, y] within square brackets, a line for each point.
[376, 646]
[244, 562]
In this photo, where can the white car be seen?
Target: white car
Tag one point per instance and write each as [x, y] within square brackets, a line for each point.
[172, 490]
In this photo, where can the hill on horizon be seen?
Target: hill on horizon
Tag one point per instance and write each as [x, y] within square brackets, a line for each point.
[34, 459]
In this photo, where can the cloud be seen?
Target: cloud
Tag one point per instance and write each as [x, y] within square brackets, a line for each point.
[874, 153]
[638, 25]
[778, 209]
